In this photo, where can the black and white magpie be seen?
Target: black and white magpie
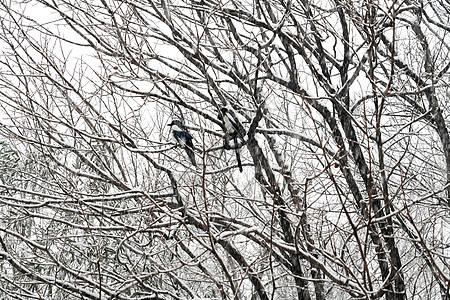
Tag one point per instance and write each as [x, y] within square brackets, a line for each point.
[232, 129]
[183, 137]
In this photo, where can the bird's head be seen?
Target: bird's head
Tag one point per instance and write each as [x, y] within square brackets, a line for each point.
[176, 123]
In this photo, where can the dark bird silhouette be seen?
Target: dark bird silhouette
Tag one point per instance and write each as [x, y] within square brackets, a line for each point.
[183, 138]
[230, 123]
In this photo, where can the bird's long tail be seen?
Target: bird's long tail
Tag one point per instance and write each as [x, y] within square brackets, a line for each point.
[238, 156]
[191, 155]
[189, 147]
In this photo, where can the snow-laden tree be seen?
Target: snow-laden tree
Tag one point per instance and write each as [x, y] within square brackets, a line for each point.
[341, 109]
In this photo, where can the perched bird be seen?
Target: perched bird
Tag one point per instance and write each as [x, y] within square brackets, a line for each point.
[230, 123]
[183, 138]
